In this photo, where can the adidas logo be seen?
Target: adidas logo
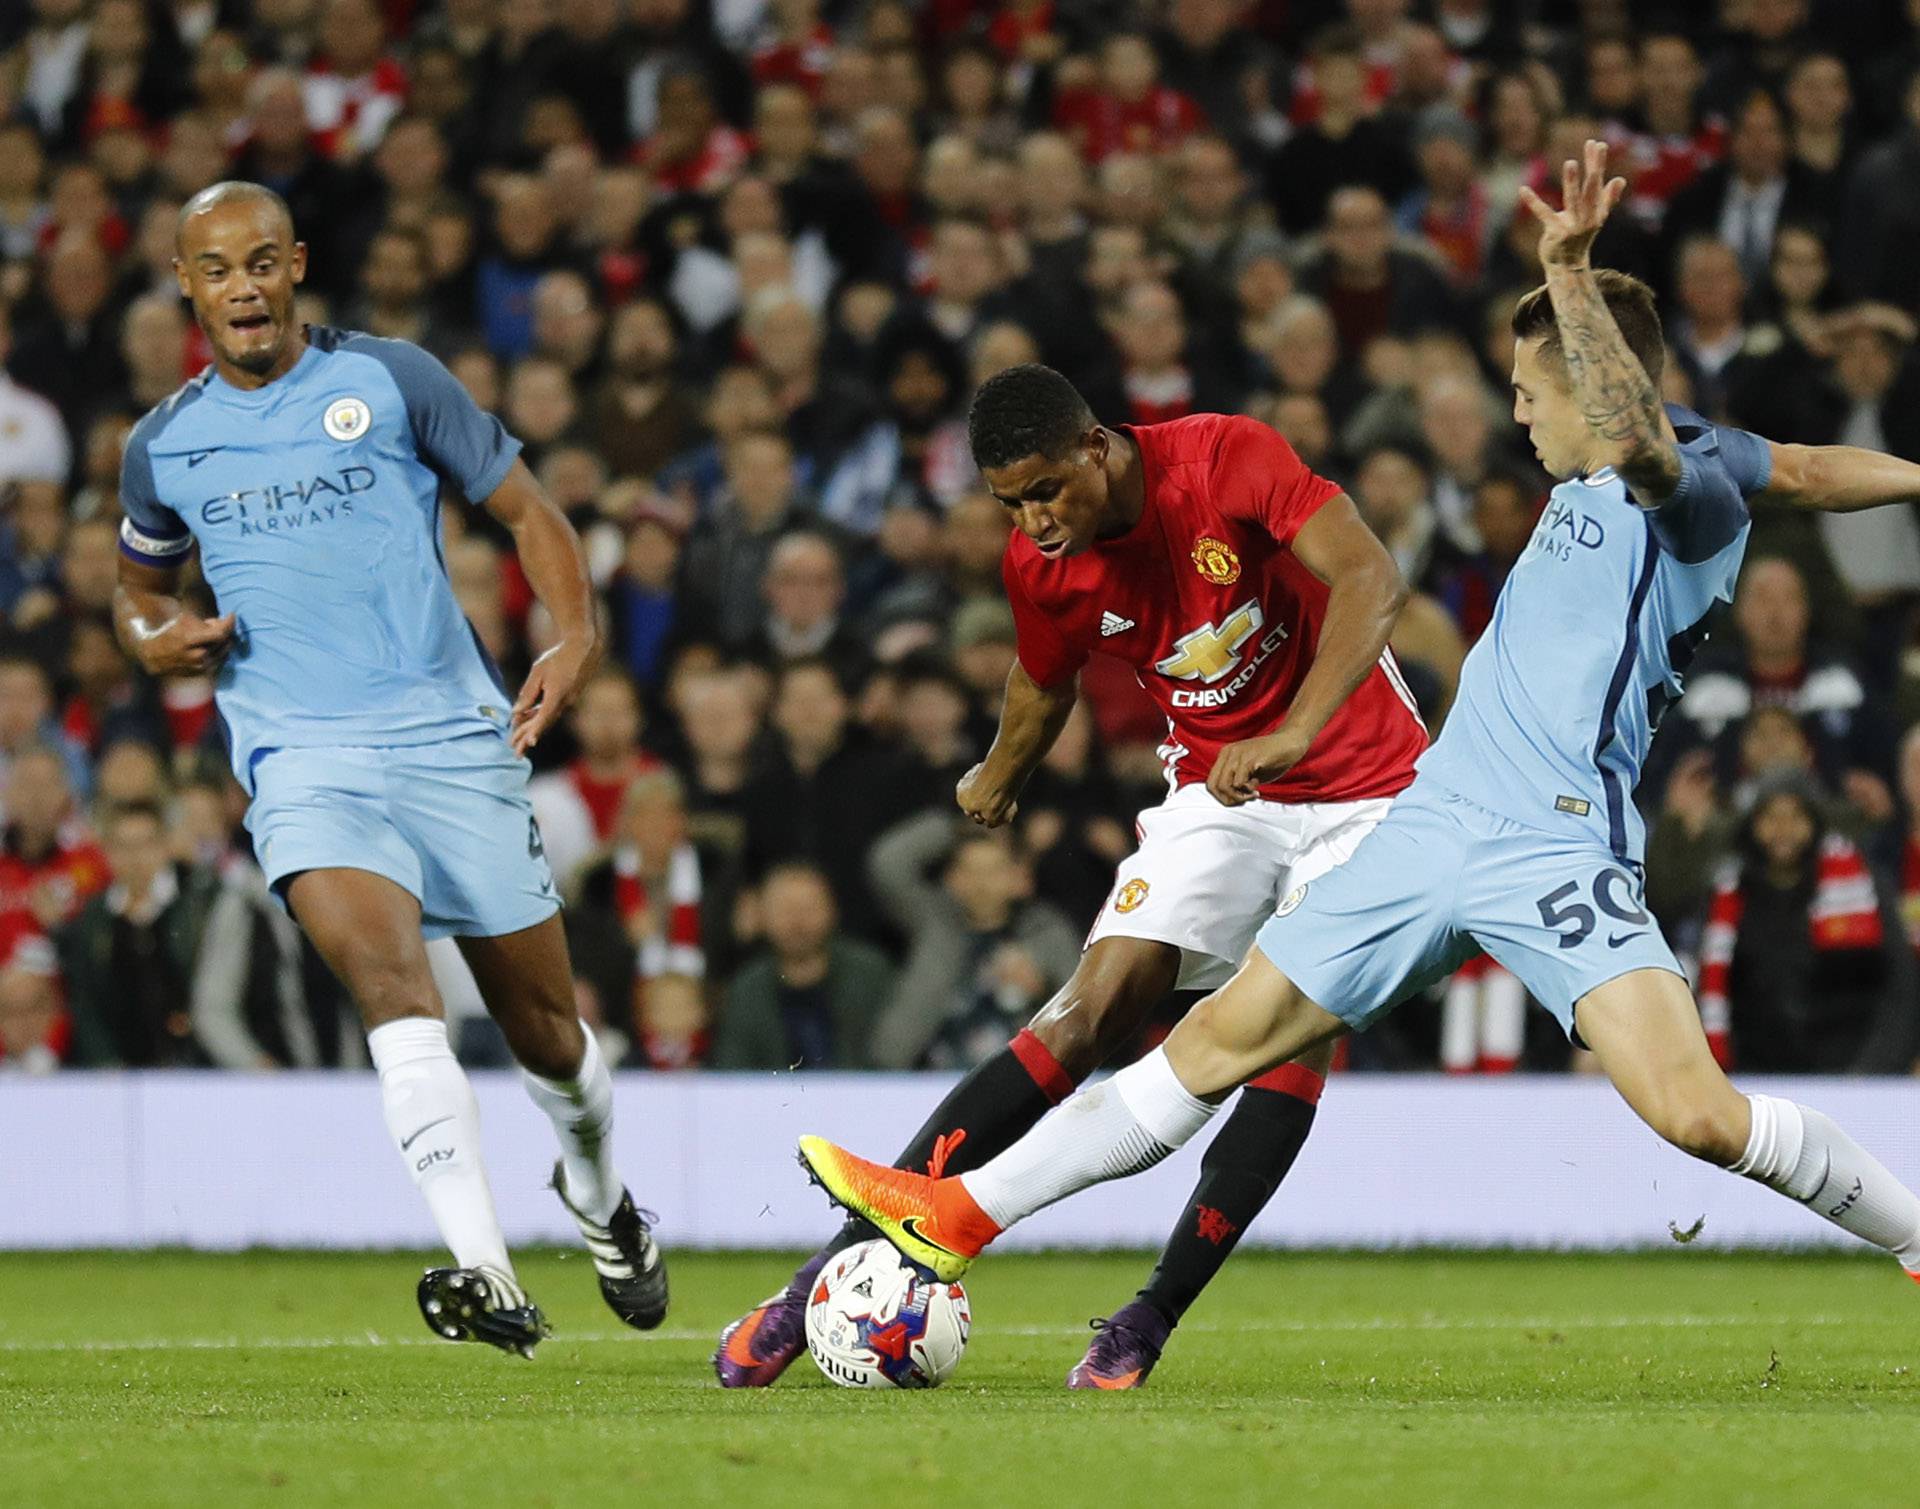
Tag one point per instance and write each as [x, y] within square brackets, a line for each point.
[1113, 623]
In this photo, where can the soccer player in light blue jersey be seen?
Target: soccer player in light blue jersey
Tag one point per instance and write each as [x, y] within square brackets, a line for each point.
[384, 758]
[1518, 836]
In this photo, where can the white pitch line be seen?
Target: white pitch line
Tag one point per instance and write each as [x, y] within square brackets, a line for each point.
[1280, 1327]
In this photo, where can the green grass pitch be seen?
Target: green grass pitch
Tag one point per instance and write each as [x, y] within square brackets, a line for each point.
[1687, 1377]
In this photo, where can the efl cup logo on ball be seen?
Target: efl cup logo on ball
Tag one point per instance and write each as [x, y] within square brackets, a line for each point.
[347, 419]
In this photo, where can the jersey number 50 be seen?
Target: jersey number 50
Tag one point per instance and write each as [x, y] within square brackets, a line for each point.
[1613, 893]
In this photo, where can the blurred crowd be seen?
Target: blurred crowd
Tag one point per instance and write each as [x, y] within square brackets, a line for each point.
[731, 270]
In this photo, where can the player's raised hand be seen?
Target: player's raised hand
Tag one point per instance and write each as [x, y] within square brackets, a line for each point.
[1243, 767]
[1587, 197]
[185, 645]
[984, 798]
[553, 682]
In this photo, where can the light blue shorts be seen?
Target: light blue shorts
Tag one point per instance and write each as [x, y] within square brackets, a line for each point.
[450, 823]
[1442, 878]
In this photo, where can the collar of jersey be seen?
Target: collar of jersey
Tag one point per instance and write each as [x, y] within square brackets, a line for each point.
[249, 397]
[1600, 478]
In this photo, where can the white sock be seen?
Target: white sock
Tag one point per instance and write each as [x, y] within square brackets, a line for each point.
[435, 1123]
[1123, 1126]
[1800, 1152]
[581, 1110]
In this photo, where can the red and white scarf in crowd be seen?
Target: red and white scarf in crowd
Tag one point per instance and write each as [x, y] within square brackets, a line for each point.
[672, 944]
[1159, 397]
[1844, 915]
[348, 116]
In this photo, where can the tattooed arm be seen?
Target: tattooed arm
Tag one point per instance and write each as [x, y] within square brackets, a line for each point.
[1617, 397]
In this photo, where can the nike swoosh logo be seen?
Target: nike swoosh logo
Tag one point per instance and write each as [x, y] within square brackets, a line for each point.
[911, 1226]
[1614, 940]
[423, 1132]
[198, 456]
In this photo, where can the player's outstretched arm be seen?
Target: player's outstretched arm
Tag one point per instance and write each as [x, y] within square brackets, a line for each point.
[1031, 718]
[1838, 478]
[1614, 392]
[556, 569]
[160, 631]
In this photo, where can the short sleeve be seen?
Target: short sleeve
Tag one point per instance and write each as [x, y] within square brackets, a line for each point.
[1747, 457]
[1259, 477]
[1708, 510]
[1046, 655]
[150, 532]
[455, 436]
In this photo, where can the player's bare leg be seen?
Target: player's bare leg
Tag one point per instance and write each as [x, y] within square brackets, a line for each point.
[526, 979]
[367, 928]
[1127, 1124]
[1645, 1030]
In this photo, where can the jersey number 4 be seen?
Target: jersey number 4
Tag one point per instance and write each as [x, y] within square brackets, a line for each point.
[1612, 892]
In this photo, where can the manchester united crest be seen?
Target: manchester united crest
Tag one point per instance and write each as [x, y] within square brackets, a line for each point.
[1215, 560]
[1131, 895]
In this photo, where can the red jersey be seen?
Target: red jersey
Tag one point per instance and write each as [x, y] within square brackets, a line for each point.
[1218, 619]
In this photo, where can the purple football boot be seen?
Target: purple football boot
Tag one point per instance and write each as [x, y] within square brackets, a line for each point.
[1124, 1349]
[758, 1347]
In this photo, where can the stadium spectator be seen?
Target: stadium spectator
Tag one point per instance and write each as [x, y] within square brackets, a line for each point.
[1883, 214]
[821, 793]
[49, 866]
[1869, 399]
[33, 438]
[1743, 200]
[1708, 334]
[354, 85]
[128, 956]
[250, 1006]
[983, 953]
[1504, 510]
[808, 999]
[70, 351]
[36, 1032]
[1341, 143]
[1774, 662]
[1391, 490]
[1804, 967]
[641, 414]
[1450, 210]
[578, 805]
[1371, 287]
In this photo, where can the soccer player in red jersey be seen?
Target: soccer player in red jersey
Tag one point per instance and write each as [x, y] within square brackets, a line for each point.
[1255, 607]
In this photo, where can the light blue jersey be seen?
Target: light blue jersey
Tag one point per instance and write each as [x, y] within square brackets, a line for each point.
[1519, 835]
[1598, 620]
[366, 722]
[314, 501]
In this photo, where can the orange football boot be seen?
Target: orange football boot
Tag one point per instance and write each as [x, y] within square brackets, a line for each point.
[934, 1222]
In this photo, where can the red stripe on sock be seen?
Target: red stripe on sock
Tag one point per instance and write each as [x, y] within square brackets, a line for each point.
[1296, 1080]
[1038, 1060]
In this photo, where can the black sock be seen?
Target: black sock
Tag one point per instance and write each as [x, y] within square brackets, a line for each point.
[982, 1116]
[1242, 1168]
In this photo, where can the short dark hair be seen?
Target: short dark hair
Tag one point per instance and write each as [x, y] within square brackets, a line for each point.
[1028, 410]
[1628, 300]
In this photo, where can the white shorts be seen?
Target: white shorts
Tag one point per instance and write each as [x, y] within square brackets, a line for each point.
[1206, 877]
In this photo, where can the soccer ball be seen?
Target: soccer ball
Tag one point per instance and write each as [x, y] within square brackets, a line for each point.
[876, 1321]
